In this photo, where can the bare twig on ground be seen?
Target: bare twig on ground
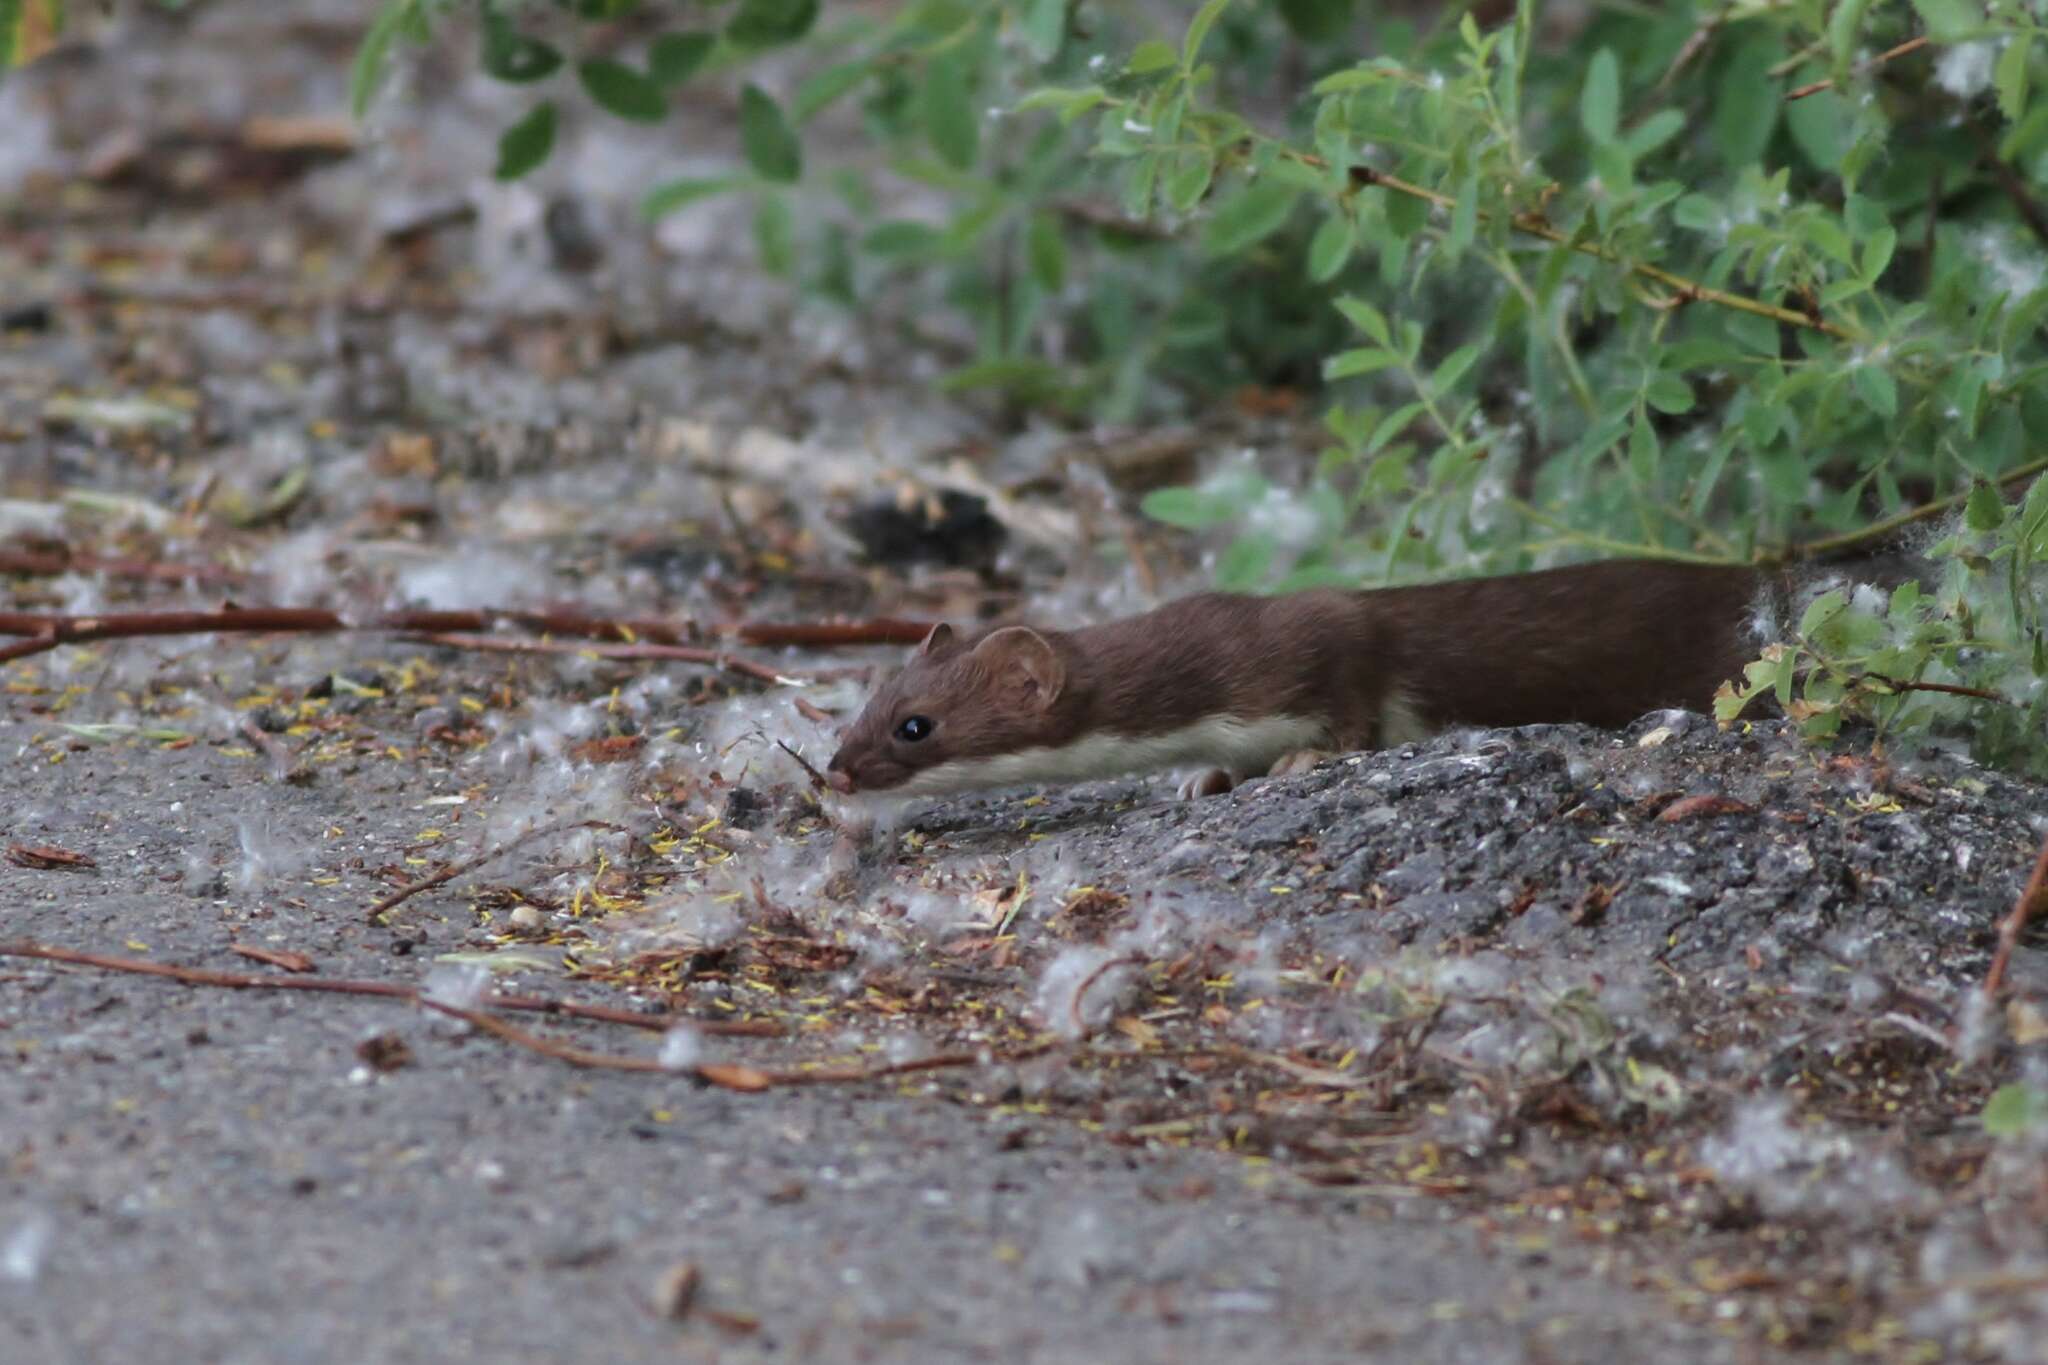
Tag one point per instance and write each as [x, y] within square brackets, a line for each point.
[881, 630]
[817, 778]
[391, 990]
[454, 870]
[43, 631]
[716, 658]
[1088, 984]
[2033, 901]
[49, 563]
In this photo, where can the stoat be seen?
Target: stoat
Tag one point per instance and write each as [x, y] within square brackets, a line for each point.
[1234, 686]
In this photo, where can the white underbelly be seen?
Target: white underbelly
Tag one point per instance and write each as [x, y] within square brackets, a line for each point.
[1243, 747]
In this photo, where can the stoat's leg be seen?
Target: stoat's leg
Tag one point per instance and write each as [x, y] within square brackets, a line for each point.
[1211, 782]
[1300, 761]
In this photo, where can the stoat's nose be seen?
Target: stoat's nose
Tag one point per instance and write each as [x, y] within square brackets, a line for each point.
[840, 780]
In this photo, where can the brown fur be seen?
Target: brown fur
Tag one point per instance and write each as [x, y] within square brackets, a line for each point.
[1599, 643]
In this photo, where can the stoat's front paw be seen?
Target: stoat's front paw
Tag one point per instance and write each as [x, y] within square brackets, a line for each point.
[1214, 782]
[1300, 761]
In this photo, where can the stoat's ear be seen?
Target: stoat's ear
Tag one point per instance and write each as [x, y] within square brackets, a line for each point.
[937, 638]
[1024, 664]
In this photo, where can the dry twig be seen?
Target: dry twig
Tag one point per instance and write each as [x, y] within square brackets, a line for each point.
[1910, 45]
[2033, 901]
[717, 658]
[454, 870]
[390, 990]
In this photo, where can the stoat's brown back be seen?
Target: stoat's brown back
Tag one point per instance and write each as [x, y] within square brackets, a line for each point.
[1597, 643]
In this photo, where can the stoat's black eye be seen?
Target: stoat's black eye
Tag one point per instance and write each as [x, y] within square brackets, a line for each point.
[913, 728]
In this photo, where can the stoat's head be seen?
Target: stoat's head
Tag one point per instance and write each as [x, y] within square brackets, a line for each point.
[957, 704]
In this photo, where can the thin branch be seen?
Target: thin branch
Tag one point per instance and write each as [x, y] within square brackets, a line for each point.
[1572, 535]
[2023, 201]
[390, 990]
[818, 782]
[404, 893]
[1088, 984]
[1952, 689]
[1829, 546]
[498, 644]
[730, 1077]
[48, 563]
[1910, 45]
[46, 630]
[881, 630]
[2033, 901]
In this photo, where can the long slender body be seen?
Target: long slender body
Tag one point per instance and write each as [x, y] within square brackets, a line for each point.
[1242, 684]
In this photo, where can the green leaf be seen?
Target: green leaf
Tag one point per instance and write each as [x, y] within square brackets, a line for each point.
[949, 119]
[770, 23]
[1747, 102]
[1366, 319]
[1827, 236]
[770, 145]
[1877, 252]
[1669, 393]
[1316, 21]
[2014, 1109]
[1653, 132]
[1198, 30]
[820, 91]
[1149, 56]
[1141, 179]
[1190, 509]
[1600, 97]
[775, 234]
[526, 144]
[1464, 219]
[373, 54]
[621, 90]
[1985, 510]
[1950, 21]
[1359, 360]
[1032, 381]
[1698, 213]
[666, 198]
[1611, 163]
[1044, 26]
[1452, 368]
[902, 237]
[1392, 425]
[1243, 565]
[1329, 248]
[513, 57]
[1188, 176]
[675, 57]
[2010, 76]
[1845, 26]
[1643, 450]
[1817, 129]
[1248, 217]
[1352, 78]
[1822, 610]
[1875, 386]
[1045, 246]
[1071, 103]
